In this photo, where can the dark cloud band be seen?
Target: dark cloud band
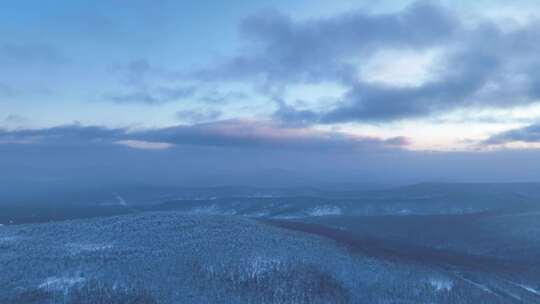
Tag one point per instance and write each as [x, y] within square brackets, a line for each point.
[228, 133]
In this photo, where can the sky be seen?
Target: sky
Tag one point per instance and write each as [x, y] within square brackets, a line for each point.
[241, 91]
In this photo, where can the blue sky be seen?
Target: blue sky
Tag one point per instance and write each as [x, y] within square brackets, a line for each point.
[339, 80]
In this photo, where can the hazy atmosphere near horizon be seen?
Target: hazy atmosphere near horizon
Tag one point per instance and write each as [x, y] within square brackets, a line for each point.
[271, 151]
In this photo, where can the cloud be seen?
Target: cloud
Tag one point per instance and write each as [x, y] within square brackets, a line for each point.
[226, 133]
[218, 97]
[14, 118]
[153, 96]
[480, 64]
[528, 134]
[145, 83]
[63, 135]
[283, 50]
[198, 116]
[140, 72]
[247, 133]
[144, 145]
[372, 102]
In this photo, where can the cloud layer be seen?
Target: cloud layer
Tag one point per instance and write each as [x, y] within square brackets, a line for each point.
[479, 64]
[228, 133]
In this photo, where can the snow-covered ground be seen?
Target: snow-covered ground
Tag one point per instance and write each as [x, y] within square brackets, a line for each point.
[441, 284]
[87, 247]
[60, 283]
[8, 239]
[260, 264]
[527, 288]
[325, 210]
[211, 210]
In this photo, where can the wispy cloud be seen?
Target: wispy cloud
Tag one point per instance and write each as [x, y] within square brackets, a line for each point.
[153, 96]
[195, 116]
[14, 118]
